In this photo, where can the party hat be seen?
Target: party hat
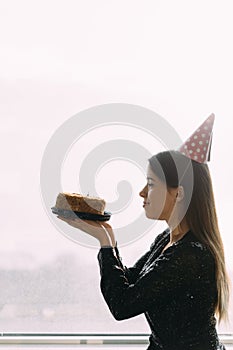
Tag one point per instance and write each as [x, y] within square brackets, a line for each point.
[198, 145]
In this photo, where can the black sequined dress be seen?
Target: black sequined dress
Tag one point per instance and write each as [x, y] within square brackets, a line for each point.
[176, 290]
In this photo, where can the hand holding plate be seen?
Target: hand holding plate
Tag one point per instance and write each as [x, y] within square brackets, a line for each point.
[102, 231]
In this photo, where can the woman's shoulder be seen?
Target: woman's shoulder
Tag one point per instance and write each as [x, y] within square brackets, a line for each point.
[191, 246]
[188, 246]
[192, 241]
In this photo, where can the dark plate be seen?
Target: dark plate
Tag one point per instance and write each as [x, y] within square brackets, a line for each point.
[84, 216]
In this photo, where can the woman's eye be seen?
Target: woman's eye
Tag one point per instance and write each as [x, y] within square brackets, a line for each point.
[150, 185]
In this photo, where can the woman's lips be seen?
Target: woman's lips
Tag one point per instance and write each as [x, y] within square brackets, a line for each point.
[145, 203]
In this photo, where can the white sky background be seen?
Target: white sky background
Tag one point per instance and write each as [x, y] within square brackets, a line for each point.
[60, 57]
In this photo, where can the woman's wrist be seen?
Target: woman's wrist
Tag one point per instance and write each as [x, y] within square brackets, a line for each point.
[108, 240]
[105, 242]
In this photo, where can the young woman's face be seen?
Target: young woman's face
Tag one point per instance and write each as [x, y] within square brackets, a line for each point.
[158, 201]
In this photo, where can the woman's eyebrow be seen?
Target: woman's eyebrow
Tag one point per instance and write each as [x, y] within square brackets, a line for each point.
[150, 178]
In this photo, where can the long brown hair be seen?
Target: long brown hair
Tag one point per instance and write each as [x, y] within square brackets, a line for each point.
[201, 217]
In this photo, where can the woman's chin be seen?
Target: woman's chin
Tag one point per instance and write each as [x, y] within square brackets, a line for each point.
[152, 216]
[149, 216]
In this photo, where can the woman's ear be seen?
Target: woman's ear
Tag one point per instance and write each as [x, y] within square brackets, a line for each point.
[180, 194]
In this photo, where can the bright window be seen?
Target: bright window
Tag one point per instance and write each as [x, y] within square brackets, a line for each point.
[58, 59]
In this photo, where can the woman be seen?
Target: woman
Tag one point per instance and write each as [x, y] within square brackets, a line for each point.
[180, 284]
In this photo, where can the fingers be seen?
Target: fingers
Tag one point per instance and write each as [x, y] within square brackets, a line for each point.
[68, 219]
[93, 228]
[71, 221]
[85, 225]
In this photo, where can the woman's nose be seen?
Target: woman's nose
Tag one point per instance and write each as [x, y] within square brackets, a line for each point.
[143, 192]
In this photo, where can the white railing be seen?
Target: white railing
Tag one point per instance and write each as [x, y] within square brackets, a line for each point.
[82, 339]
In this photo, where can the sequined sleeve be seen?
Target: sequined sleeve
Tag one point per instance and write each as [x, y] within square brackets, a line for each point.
[132, 273]
[178, 267]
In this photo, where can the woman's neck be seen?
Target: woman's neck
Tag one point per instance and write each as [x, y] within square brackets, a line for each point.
[179, 231]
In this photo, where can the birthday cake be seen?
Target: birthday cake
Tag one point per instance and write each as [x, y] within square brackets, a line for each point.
[80, 203]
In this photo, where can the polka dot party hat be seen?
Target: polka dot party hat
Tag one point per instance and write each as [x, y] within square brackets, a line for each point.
[198, 145]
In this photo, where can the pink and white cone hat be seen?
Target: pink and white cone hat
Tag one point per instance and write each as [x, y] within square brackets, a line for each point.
[198, 145]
